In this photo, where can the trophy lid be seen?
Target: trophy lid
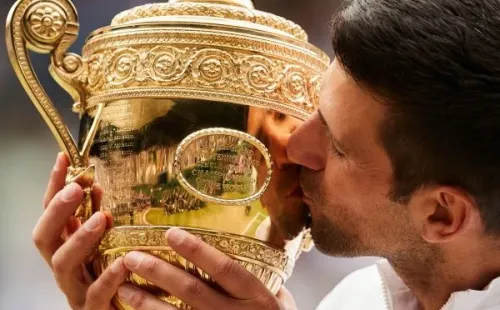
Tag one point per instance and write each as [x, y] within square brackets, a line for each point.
[243, 3]
[218, 50]
[228, 12]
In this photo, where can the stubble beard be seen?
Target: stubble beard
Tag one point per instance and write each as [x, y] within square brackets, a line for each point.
[334, 241]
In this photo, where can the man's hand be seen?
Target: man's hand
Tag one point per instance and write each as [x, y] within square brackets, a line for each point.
[64, 244]
[243, 290]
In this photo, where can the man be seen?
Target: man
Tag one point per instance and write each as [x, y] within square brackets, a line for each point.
[401, 161]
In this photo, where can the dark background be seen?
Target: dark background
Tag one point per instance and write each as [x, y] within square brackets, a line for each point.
[28, 150]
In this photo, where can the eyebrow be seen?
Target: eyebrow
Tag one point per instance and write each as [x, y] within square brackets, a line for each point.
[334, 141]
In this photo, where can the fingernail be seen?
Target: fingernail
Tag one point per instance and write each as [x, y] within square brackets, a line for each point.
[94, 222]
[126, 292]
[69, 192]
[133, 259]
[176, 236]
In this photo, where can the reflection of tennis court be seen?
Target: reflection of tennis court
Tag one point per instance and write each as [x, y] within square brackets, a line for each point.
[233, 219]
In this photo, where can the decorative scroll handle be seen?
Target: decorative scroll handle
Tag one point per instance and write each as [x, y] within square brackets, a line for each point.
[51, 27]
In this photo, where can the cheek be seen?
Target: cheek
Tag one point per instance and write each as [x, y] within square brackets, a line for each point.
[359, 192]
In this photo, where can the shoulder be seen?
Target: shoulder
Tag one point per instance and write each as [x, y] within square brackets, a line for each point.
[362, 289]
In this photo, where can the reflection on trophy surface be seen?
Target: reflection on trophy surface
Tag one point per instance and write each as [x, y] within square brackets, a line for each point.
[185, 111]
[142, 188]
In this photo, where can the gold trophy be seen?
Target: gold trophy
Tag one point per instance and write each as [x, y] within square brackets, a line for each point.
[184, 107]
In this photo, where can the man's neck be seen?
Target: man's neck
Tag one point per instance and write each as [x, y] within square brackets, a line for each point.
[434, 283]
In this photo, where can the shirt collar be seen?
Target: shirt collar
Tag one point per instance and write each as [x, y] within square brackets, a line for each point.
[399, 296]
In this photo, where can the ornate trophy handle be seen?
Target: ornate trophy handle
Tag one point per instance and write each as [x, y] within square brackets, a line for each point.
[51, 27]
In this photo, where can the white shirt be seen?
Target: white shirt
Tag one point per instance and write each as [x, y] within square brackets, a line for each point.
[378, 287]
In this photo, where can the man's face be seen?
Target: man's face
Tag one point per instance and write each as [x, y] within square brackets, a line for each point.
[346, 176]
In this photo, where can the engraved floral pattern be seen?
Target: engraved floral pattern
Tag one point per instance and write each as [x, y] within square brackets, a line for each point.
[95, 78]
[205, 68]
[47, 22]
[271, 266]
[122, 66]
[260, 73]
[238, 246]
[270, 278]
[314, 86]
[294, 85]
[167, 63]
[163, 64]
[212, 68]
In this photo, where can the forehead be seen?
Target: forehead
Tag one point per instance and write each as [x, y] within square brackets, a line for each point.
[351, 111]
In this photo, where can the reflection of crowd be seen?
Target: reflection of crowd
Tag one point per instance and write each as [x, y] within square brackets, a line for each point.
[176, 200]
[141, 159]
[145, 178]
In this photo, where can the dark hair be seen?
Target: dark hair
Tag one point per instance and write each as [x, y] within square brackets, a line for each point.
[436, 64]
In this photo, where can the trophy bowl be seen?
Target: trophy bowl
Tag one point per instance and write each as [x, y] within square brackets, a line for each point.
[185, 108]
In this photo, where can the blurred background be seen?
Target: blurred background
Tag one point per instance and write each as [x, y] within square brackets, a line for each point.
[28, 151]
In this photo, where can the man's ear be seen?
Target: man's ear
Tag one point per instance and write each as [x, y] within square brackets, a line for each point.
[441, 213]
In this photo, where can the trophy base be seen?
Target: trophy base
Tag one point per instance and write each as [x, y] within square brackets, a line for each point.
[269, 264]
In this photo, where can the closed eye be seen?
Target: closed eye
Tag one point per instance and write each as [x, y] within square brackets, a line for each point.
[332, 145]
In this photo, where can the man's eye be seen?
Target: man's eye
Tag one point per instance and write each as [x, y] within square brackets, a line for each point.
[331, 145]
[330, 142]
[336, 152]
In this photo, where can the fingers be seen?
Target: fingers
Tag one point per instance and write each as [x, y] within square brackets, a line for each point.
[72, 254]
[141, 300]
[232, 277]
[97, 194]
[175, 281]
[57, 178]
[68, 260]
[102, 291]
[47, 233]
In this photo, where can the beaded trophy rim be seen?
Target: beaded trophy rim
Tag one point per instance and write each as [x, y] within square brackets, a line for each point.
[111, 243]
[229, 12]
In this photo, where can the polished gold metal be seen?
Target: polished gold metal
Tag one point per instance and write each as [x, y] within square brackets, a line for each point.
[268, 264]
[237, 140]
[185, 108]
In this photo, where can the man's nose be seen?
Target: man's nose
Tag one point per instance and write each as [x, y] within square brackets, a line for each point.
[306, 147]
